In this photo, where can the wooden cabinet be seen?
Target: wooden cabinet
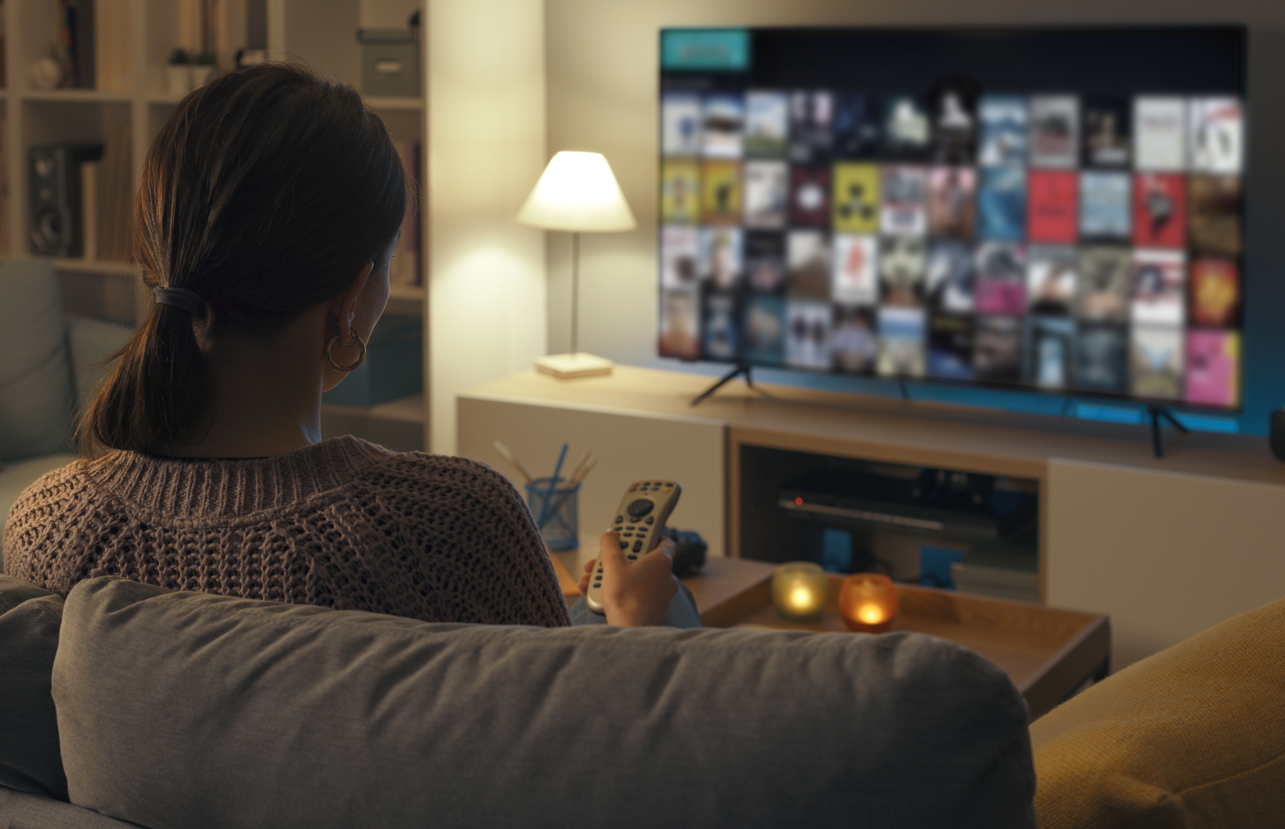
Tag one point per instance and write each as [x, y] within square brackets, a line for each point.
[1165, 547]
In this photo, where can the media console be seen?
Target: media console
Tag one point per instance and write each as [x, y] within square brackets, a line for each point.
[1165, 547]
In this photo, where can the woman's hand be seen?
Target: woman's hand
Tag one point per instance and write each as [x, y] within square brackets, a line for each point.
[634, 593]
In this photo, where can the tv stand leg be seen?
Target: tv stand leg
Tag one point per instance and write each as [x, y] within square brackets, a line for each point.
[740, 369]
[1158, 414]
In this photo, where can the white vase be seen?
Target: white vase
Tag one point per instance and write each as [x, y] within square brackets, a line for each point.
[178, 78]
[200, 74]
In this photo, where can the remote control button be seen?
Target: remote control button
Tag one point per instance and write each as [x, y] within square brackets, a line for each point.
[633, 557]
[637, 546]
[620, 519]
[623, 544]
[651, 519]
[639, 508]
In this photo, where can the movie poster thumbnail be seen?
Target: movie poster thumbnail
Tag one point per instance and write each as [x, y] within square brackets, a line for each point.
[856, 279]
[856, 198]
[679, 325]
[767, 124]
[952, 202]
[950, 347]
[1105, 206]
[807, 334]
[810, 196]
[807, 258]
[1108, 133]
[721, 193]
[811, 126]
[903, 271]
[679, 192]
[1160, 134]
[856, 125]
[1102, 358]
[1156, 362]
[1001, 204]
[952, 110]
[1214, 214]
[721, 265]
[997, 349]
[722, 122]
[1159, 287]
[1052, 207]
[1052, 276]
[763, 334]
[767, 189]
[679, 258]
[1215, 293]
[854, 339]
[901, 342]
[1001, 279]
[1049, 352]
[720, 335]
[680, 130]
[1003, 126]
[1217, 138]
[1055, 131]
[906, 132]
[765, 262]
[1160, 210]
[951, 277]
[1213, 368]
[1104, 284]
[905, 201]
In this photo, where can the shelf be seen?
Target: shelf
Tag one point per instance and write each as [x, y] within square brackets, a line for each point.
[88, 96]
[389, 102]
[95, 266]
[406, 410]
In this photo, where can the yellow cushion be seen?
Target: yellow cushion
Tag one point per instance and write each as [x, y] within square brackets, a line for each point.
[1191, 737]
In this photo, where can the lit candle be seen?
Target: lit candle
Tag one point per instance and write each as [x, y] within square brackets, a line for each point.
[798, 591]
[868, 602]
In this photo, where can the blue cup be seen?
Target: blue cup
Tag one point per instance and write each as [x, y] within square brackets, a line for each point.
[558, 519]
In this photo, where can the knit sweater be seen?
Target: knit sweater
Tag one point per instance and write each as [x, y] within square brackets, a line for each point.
[343, 524]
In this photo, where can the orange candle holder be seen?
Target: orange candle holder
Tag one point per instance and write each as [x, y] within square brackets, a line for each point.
[798, 591]
[868, 602]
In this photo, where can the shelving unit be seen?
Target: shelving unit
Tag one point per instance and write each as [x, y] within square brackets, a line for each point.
[111, 289]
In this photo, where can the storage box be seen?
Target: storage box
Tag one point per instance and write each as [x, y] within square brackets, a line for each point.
[394, 366]
[389, 62]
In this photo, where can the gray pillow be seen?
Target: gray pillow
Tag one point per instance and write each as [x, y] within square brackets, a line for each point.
[35, 374]
[29, 752]
[192, 710]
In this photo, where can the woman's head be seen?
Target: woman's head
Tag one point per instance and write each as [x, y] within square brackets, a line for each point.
[266, 193]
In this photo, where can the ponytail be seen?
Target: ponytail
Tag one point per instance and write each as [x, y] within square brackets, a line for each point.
[264, 193]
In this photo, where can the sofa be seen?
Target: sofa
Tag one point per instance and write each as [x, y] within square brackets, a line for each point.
[50, 371]
[162, 709]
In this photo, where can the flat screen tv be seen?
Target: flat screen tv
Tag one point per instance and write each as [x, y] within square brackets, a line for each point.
[1056, 210]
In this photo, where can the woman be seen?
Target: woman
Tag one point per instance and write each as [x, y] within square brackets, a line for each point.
[270, 206]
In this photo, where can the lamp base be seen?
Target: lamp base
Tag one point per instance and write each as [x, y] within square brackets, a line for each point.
[571, 366]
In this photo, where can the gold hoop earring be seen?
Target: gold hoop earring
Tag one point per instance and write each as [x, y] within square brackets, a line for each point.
[356, 340]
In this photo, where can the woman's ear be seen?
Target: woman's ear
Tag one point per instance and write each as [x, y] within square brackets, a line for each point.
[343, 308]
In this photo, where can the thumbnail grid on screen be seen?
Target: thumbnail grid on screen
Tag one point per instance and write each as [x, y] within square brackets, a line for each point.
[1052, 241]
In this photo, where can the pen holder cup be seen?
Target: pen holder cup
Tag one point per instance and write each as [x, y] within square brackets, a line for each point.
[556, 515]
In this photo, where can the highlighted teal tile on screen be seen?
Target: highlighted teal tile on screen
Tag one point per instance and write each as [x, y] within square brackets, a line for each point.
[706, 49]
[1208, 423]
[1107, 414]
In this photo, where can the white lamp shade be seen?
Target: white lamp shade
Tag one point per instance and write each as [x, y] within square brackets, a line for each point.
[578, 193]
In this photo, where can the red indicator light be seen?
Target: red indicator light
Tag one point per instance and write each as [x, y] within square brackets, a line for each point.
[798, 501]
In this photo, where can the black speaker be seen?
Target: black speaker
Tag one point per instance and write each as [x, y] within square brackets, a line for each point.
[1278, 434]
[57, 216]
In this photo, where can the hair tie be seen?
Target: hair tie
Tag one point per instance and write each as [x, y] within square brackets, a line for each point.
[180, 298]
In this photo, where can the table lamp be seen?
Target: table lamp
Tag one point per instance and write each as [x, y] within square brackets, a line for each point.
[577, 193]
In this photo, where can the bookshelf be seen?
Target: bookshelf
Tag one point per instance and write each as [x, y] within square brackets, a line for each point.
[135, 40]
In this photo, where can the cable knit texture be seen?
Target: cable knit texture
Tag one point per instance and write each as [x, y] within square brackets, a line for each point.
[343, 524]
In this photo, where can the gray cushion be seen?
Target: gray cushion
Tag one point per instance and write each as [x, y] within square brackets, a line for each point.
[192, 710]
[19, 810]
[35, 374]
[29, 755]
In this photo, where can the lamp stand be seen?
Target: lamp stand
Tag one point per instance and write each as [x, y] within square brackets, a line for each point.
[576, 363]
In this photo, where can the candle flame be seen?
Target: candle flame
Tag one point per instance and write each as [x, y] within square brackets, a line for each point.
[801, 597]
[870, 614]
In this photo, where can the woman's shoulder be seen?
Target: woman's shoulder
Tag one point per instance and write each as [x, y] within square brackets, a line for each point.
[431, 472]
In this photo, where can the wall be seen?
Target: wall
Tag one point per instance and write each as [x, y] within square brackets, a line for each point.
[486, 148]
[602, 96]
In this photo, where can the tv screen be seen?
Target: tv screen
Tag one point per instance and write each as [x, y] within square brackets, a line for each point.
[1058, 210]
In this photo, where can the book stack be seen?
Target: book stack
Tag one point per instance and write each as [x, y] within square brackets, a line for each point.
[407, 268]
[106, 198]
[91, 43]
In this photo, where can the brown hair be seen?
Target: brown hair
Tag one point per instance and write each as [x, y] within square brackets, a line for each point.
[265, 192]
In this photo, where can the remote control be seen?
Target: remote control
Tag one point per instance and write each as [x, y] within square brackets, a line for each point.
[639, 519]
